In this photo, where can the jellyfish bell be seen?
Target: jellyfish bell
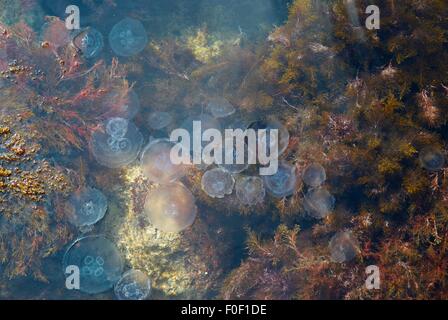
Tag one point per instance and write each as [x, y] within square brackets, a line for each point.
[98, 260]
[156, 162]
[158, 120]
[220, 107]
[264, 136]
[86, 207]
[89, 42]
[117, 127]
[343, 247]
[314, 175]
[115, 150]
[319, 203]
[283, 183]
[133, 285]
[171, 207]
[250, 190]
[128, 37]
[432, 159]
[217, 183]
[235, 165]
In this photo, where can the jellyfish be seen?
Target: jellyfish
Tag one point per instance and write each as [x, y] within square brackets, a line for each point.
[171, 207]
[432, 159]
[343, 247]
[133, 285]
[314, 175]
[128, 37]
[159, 120]
[217, 183]
[235, 166]
[89, 41]
[283, 134]
[250, 190]
[156, 162]
[319, 203]
[86, 207]
[98, 260]
[220, 107]
[282, 183]
[116, 143]
[122, 105]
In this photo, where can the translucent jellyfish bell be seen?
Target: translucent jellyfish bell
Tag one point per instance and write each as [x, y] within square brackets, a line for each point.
[314, 175]
[171, 208]
[86, 207]
[133, 285]
[156, 162]
[283, 134]
[114, 144]
[89, 41]
[234, 167]
[128, 37]
[432, 159]
[99, 262]
[250, 190]
[282, 183]
[217, 183]
[319, 203]
[220, 107]
[158, 120]
[343, 247]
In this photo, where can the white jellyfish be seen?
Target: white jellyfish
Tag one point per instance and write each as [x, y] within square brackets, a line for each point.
[217, 183]
[133, 285]
[250, 190]
[343, 247]
[432, 159]
[235, 166]
[128, 37]
[158, 120]
[114, 144]
[86, 207]
[314, 175]
[89, 41]
[171, 208]
[283, 134]
[283, 182]
[220, 107]
[98, 260]
[156, 162]
[319, 203]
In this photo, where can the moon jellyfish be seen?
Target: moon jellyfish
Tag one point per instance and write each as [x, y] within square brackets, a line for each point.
[133, 285]
[319, 203]
[283, 134]
[116, 143]
[90, 42]
[128, 37]
[314, 175]
[343, 247]
[220, 107]
[250, 190]
[217, 183]
[159, 120]
[282, 183]
[432, 159]
[156, 162]
[235, 166]
[99, 262]
[86, 207]
[171, 208]
[122, 105]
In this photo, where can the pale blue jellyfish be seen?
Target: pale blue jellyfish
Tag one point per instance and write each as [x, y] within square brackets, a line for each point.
[319, 203]
[99, 263]
[114, 144]
[156, 162]
[217, 183]
[314, 175]
[133, 285]
[268, 125]
[250, 190]
[283, 183]
[343, 247]
[89, 41]
[158, 120]
[171, 208]
[128, 37]
[220, 107]
[432, 159]
[86, 207]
